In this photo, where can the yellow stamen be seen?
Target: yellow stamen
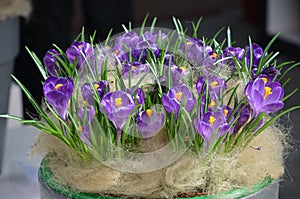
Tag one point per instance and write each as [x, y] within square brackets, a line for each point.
[265, 80]
[85, 103]
[178, 95]
[80, 46]
[96, 86]
[118, 101]
[183, 68]
[267, 92]
[212, 120]
[189, 43]
[214, 55]
[116, 52]
[213, 84]
[58, 86]
[211, 104]
[80, 128]
[225, 112]
[149, 112]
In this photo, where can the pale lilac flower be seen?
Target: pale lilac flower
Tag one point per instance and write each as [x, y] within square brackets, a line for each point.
[117, 106]
[150, 122]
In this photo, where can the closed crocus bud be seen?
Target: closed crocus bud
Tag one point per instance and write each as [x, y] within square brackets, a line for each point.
[79, 52]
[58, 92]
[51, 63]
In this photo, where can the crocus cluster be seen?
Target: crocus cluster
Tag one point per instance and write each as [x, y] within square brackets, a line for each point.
[101, 93]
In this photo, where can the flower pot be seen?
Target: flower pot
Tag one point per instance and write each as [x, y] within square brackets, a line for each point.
[9, 34]
[50, 188]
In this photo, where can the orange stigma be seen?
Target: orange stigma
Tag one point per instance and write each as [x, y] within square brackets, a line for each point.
[149, 112]
[214, 55]
[212, 103]
[57, 86]
[213, 84]
[178, 95]
[211, 120]
[96, 86]
[267, 92]
[118, 101]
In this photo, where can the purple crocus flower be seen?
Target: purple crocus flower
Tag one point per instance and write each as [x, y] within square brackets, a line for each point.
[152, 37]
[87, 113]
[216, 85]
[175, 96]
[117, 106]
[243, 114]
[79, 51]
[150, 122]
[264, 97]
[235, 52]
[85, 134]
[58, 91]
[135, 67]
[51, 63]
[257, 53]
[212, 124]
[137, 94]
[126, 43]
[200, 85]
[87, 91]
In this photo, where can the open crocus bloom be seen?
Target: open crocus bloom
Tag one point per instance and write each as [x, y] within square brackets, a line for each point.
[176, 96]
[150, 122]
[118, 106]
[264, 96]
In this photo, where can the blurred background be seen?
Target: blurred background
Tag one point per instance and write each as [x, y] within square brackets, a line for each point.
[60, 22]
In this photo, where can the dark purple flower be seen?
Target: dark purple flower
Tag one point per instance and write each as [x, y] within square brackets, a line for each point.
[169, 59]
[200, 85]
[137, 94]
[212, 126]
[243, 114]
[150, 122]
[117, 106]
[58, 91]
[135, 68]
[176, 96]
[234, 52]
[271, 72]
[79, 51]
[87, 91]
[257, 53]
[264, 97]
[51, 63]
